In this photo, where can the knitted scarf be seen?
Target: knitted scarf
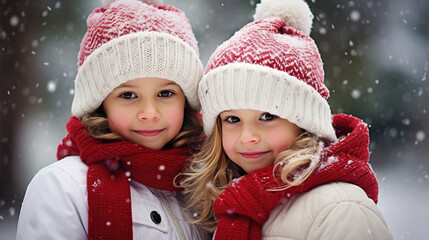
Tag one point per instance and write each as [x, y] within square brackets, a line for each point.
[111, 166]
[245, 205]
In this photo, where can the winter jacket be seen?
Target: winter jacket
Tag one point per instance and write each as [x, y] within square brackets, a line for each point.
[55, 207]
[332, 211]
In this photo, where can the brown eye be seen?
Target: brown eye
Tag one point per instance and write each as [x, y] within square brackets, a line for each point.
[166, 93]
[268, 117]
[128, 95]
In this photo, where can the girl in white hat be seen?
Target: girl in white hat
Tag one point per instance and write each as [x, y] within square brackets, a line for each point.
[133, 127]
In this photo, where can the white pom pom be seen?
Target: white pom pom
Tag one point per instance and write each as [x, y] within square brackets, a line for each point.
[296, 13]
[106, 3]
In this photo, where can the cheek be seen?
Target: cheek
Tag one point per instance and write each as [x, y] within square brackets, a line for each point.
[118, 120]
[227, 143]
[175, 118]
[280, 142]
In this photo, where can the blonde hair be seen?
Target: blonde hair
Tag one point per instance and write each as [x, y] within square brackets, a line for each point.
[210, 171]
[189, 135]
[298, 162]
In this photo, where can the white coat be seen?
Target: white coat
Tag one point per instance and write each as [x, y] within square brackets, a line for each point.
[55, 207]
[331, 211]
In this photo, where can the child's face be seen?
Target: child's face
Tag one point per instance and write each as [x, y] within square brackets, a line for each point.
[146, 111]
[253, 139]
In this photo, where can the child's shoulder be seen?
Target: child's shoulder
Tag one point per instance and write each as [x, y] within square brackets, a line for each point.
[327, 197]
[70, 164]
[334, 204]
[335, 192]
[68, 170]
[56, 193]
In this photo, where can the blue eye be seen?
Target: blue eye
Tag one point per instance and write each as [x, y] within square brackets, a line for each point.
[232, 119]
[128, 95]
[268, 117]
[165, 93]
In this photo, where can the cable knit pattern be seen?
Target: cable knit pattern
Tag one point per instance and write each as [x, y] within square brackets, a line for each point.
[245, 205]
[111, 166]
[281, 72]
[129, 40]
[130, 16]
[270, 42]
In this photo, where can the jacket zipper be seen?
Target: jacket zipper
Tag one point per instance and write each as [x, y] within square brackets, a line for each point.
[172, 216]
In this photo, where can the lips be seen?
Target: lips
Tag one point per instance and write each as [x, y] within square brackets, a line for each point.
[253, 155]
[149, 133]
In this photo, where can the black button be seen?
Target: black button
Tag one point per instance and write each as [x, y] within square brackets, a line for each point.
[156, 218]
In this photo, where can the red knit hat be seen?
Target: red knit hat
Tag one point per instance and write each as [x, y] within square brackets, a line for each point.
[129, 39]
[270, 65]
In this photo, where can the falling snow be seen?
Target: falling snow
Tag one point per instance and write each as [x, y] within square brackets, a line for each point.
[420, 136]
[52, 86]
[375, 62]
[355, 94]
[14, 21]
[355, 16]
[406, 121]
[12, 211]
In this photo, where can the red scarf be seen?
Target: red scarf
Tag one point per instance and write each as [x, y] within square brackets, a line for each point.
[245, 205]
[111, 165]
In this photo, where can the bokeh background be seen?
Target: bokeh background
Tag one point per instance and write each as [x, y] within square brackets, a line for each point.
[376, 63]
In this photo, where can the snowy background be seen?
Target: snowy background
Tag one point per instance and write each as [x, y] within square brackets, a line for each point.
[376, 59]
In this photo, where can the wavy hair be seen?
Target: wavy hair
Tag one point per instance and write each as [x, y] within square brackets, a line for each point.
[210, 171]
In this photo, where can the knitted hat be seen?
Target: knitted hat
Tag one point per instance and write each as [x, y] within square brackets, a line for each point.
[270, 65]
[130, 39]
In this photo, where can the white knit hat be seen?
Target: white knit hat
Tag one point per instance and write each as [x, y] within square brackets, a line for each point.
[130, 39]
[270, 65]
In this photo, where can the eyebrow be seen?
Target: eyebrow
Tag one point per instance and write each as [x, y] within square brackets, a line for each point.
[171, 83]
[225, 112]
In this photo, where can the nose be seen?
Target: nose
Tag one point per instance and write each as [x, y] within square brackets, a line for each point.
[148, 111]
[249, 134]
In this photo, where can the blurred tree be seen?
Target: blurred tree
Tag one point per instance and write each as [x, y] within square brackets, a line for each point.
[17, 71]
[27, 29]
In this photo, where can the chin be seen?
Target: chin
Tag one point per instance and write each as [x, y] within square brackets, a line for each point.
[152, 146]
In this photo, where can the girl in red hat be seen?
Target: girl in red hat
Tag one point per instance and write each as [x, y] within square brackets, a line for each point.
[276, 163]
[135, 120]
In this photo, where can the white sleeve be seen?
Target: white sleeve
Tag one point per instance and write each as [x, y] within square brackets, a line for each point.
[54, 207]
[349, 220]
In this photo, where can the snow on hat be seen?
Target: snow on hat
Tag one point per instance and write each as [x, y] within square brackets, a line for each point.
[129, 39]
[270, 65]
